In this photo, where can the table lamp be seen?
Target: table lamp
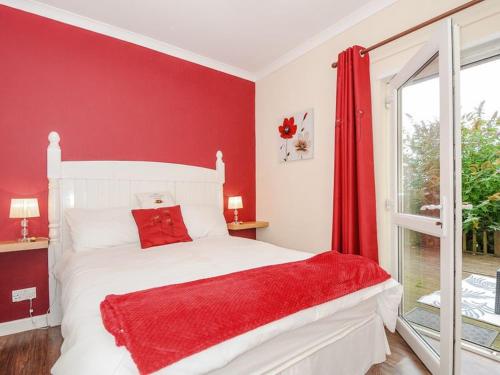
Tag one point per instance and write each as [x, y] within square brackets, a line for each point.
[234, 203]
[24, 209]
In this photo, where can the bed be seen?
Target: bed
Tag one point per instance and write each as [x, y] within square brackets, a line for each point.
[346, 334]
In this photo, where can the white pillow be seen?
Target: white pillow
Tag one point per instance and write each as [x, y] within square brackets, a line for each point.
[101, 228]
[155, 199]
[203, 220]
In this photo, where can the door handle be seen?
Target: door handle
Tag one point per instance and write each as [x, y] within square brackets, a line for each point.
[467, 206]
[431, 207]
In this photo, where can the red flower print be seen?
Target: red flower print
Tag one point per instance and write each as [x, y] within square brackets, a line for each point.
[288, 129]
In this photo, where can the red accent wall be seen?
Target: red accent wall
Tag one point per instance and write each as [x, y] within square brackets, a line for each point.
[108, 99]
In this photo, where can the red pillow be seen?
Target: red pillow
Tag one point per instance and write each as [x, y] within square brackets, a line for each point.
[160, 226]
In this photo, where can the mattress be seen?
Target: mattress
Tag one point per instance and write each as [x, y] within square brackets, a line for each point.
[87, 277]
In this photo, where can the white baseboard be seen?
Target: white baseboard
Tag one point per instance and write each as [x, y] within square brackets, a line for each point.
[21, 325]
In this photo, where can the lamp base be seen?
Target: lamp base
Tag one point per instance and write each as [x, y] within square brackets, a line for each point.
[24, 231]
[236, 217]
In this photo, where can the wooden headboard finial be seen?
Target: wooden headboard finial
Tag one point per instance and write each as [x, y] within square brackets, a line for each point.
[53, 156]
[54, 140]
[219, 166]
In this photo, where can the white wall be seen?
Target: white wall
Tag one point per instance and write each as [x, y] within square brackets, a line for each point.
[296, 197]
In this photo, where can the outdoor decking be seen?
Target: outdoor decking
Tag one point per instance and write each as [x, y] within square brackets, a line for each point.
[486, 265]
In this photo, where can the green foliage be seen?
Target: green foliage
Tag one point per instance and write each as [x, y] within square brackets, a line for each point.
[420, 160]
[480, 168]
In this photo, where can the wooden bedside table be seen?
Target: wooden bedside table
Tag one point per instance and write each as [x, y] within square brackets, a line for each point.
[39, 243]
[247, 225]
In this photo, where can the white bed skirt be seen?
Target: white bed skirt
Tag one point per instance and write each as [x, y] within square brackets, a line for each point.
[352, 354]
[347, 343]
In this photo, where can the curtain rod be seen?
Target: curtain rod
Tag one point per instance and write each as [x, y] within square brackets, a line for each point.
[417, 27]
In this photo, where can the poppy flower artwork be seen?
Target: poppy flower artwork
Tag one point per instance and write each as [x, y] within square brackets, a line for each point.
[296, 136]
[288, 128]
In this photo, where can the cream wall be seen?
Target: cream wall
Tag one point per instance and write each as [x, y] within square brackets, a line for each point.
[296, 197]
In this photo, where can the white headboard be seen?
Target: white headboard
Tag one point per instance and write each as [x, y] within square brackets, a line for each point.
[102, 184]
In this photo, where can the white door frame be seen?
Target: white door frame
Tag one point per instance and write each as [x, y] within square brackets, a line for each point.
[457, 211]
[445, 44]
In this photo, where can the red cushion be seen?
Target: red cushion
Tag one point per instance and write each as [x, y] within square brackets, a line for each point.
[160, 226]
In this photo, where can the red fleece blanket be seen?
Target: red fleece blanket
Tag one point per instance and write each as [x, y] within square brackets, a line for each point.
[162, 325]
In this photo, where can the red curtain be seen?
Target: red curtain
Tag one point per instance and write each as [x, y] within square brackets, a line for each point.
[354, 212]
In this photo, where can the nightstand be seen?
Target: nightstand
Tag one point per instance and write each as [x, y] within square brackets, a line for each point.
[39, 243]
[24, 265]
[247, 225]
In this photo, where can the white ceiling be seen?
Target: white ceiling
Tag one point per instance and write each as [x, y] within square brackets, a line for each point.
[251, 38]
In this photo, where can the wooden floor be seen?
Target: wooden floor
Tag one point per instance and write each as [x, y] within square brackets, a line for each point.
[402, 360]
[34, 352]
[30, 353]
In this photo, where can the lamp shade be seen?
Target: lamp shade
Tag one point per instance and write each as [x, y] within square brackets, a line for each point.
[23, 208]
[234, 203]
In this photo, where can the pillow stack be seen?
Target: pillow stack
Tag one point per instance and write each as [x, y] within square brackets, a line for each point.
[159, 221]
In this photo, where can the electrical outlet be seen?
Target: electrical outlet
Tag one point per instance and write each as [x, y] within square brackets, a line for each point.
[23, 294]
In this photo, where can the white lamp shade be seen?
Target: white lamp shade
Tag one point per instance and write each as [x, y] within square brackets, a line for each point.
[234, 203]
[23, 208]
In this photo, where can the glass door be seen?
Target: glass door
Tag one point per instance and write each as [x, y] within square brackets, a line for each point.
[424, 196]
[480, 193]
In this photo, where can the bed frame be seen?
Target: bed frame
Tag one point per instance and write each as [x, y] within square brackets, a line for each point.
[103, 184]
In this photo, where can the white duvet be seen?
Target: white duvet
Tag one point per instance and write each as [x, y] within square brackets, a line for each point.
[87, 277]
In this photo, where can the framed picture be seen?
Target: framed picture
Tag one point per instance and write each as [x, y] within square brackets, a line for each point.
[296, 136]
